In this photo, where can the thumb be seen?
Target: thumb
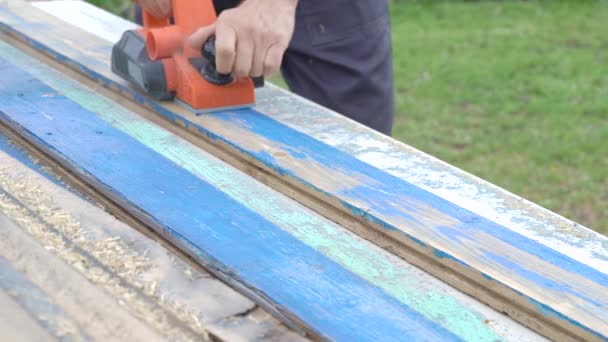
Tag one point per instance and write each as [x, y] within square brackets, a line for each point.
[200, 36]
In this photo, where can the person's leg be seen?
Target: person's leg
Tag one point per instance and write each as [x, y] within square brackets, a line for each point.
[340, 57]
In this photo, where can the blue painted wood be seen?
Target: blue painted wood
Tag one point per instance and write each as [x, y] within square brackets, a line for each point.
[554, 286]
[217, 230]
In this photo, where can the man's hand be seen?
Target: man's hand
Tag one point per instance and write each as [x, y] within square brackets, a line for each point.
[158, 8]
[250, 40]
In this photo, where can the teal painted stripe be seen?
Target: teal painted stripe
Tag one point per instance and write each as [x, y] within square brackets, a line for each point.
[349, 251]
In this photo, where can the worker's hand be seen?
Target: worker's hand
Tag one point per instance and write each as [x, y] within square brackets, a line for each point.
[158, 8]
[250, 40]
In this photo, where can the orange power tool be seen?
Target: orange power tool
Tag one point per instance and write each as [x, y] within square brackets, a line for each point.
[158, 59]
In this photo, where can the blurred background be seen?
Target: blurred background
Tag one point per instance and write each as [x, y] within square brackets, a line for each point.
[515, 92]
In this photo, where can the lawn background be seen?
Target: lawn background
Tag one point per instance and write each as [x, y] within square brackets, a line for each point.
[515, 92]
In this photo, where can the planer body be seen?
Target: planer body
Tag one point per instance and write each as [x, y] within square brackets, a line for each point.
[158, 60]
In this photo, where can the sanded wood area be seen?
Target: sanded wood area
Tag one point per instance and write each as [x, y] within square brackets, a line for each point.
[109, 281]
[546, 290]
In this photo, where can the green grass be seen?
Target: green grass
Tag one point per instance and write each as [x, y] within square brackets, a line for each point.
[515, 92]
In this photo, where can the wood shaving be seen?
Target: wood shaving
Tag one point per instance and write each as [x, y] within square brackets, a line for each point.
[108, 262]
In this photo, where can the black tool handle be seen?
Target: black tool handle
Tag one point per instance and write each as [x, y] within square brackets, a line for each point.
[208, 50]
[210, 73]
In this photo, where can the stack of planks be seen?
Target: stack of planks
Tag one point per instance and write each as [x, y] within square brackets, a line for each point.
[284, 201]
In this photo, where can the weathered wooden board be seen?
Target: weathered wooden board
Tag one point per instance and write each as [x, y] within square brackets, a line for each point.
[394, 157]
[468, 319]
[131, 287]
[517, 274]
[233, 241]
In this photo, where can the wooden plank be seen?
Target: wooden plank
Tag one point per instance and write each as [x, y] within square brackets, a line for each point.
[515, 272]
[152, 278]
[333, 302]
[468, 319]
[398, 159]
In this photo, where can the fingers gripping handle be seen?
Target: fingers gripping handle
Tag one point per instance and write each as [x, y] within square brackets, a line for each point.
[210, 72]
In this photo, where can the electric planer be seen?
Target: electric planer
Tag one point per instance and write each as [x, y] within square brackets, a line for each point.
[158, 60]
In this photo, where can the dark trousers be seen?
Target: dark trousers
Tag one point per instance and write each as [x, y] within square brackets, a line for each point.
[340, 57]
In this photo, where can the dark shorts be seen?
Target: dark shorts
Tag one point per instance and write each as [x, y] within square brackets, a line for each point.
[340, 58]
